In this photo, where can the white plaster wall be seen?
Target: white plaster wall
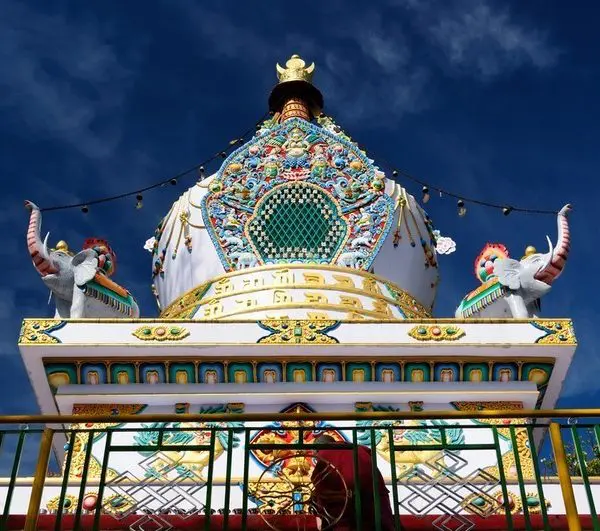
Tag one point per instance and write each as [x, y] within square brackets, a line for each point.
[184, 270]
[99, 334]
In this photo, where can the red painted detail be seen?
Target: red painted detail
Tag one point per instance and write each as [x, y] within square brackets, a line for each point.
[104, 247]
[559, 261]
[288, 437]
[497, 249]
[46, 522]
[546, 277]
[43, 266]
[554, 271]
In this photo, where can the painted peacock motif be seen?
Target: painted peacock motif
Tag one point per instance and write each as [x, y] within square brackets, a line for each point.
[409, 433]
[190, 463]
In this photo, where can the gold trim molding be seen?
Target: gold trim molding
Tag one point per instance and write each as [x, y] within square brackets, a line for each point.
[558, 332]
[399, 297]
[426, 320]
[320, 307]
[298, 331]
[37, 332]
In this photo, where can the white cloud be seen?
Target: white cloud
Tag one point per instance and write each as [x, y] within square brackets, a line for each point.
[371, 74]
[378, 65]
[490, 42]
[61, 78]
[383, 44]
[376, 98]
[481, 38]
[227, 39]
[367, 71]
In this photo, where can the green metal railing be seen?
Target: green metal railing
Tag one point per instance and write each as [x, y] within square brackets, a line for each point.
[439, 477]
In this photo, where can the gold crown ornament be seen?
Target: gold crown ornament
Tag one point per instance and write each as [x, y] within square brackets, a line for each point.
[295, 83]
[62, 246]
[529, 250]
[295, 70]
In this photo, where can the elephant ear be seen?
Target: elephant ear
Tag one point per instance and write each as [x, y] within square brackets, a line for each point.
[85, 266]
[508, 272]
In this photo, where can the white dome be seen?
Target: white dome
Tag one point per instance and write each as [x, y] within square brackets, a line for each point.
[300, 198]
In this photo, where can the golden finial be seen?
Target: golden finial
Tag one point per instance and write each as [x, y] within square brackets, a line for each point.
[529, 250]
[295, 70]
[62, 246]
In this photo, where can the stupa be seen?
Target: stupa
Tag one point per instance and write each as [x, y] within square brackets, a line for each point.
[299, 277]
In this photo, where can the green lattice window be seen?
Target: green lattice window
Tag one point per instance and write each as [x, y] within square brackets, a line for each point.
[297, 222]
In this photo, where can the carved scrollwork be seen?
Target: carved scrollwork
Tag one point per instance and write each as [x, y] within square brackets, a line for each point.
[38, 331]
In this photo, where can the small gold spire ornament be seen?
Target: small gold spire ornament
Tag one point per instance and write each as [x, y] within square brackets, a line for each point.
[295, 70]
[529, 250]
[62, 246]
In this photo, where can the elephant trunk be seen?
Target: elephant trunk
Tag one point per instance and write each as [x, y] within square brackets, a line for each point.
[37, 248]
[559, 255]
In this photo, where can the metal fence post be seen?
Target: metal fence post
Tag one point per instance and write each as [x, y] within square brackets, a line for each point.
[39, 480]
[562, 469]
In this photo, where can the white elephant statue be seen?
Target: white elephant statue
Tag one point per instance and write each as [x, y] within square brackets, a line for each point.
[244, 259]
[513, 288]
[79, 283]
[353, 259]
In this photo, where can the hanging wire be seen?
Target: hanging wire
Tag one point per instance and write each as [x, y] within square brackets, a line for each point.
[172, 180]
[506, 209]
[426, 187]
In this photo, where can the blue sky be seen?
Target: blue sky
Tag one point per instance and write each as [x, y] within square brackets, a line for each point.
[496, 100]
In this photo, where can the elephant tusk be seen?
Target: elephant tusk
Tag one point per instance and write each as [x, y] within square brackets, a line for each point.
[550, 253]
[546, 273]
[550, 246]
[45, 246]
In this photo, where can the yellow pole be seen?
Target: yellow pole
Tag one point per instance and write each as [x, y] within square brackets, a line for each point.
[331, 416]
[562, 469]
[39, 479]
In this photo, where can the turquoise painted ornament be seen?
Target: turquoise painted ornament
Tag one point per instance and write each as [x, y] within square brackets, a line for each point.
[297, 193]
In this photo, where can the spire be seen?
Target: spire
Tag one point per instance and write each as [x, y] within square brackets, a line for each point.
[62, 246]
[295, 70]
[295, 95]
[529, 250]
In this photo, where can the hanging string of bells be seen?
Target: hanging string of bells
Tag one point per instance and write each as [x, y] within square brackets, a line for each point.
[138, 194]
[461, 203]
[199, 168]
